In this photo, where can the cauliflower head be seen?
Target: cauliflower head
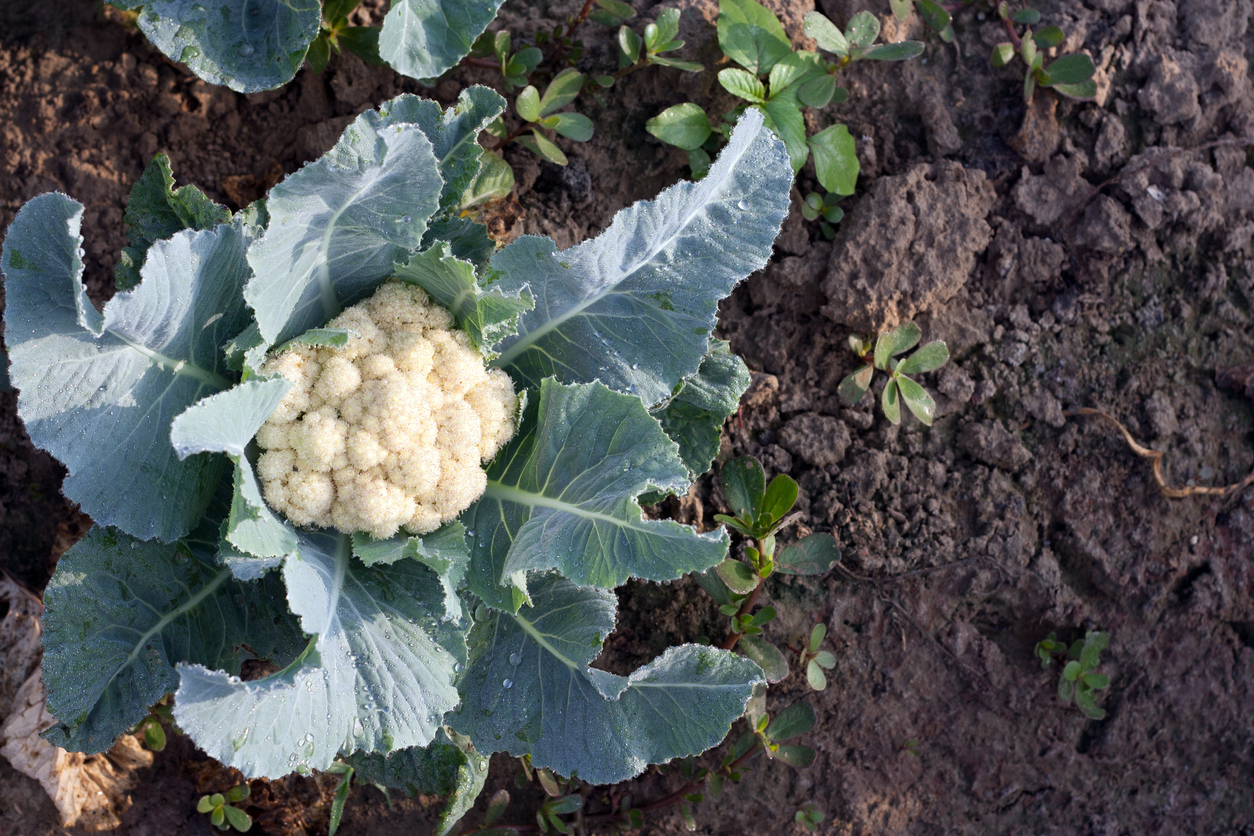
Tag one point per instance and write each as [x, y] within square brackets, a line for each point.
[389, 431]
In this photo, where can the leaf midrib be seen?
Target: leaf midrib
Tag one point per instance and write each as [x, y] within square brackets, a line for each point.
[529, 339]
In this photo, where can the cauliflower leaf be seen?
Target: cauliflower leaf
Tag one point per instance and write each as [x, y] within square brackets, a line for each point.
[99, 390]
[563, 493]
[529, 690]
[635, 306]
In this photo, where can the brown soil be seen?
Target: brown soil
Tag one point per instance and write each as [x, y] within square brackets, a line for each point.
[1070, 254]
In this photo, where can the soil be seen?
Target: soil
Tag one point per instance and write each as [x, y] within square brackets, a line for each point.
[1071, 254]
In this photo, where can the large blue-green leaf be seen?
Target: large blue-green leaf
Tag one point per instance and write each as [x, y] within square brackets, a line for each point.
[694, 418]
[378, 676]
[634, 307]
[424, 38]
[528, 690]
[431, 770]
[122, 612]
[454, 133]
[99, 391]
[487, 315]
[443, 551]
[157, 210]
[338, 225]
[226, 423]
[248, 45]
[448, 767]
[562, 494]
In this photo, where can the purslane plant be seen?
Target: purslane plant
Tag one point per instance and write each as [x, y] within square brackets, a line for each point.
[1071, 74]
[413, 657]
[880, 355]
[779, 81]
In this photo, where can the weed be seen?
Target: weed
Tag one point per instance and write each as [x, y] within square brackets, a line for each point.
[221, 814]
[900, 387]
[779, 80]
[1071, 75]
[1079, 680]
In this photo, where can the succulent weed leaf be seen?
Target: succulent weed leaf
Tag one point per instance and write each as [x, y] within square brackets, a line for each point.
[928, 358]
[247, 46]
[814, 554]
[528, 689]
[889, 401]
[854, 386]
[744, 485]
[905, 337]
[634, 307]
[563, 494]
[424, 38]
[378, 675]
[123, 612]
[339, 224]
[883, 350]
[917, 398]
[99, 391]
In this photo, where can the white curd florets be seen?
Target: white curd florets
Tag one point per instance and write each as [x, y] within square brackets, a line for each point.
[389, 431]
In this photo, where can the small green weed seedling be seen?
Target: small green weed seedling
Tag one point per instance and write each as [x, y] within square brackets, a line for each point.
[221, 814]
[336, 34]
[1071, 75]
[809, 817]
[538, 113]
[900, 387]
[779, 81]
[1078, 680]
[816, 660]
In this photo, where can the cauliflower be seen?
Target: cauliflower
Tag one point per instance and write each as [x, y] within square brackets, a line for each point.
[390, 430]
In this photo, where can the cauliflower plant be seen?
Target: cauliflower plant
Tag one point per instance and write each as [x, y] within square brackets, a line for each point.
[389, 431]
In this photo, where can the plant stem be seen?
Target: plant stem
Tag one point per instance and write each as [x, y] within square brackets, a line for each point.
[560, 51]
[1010, 30]
[746, 606]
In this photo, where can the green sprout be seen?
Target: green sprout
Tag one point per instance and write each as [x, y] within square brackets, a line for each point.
[543, 112]
[816, 660]
[1071, 75]
[779, 80]
[900, 387]
[221, 814]
[1078, 680]
[809, 817]
[336, 34]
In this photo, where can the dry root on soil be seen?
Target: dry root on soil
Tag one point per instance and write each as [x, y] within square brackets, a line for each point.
[1156, 459]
